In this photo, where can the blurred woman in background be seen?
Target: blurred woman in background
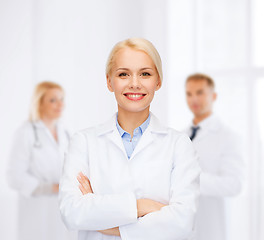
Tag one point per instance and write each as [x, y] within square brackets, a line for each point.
[35, 166]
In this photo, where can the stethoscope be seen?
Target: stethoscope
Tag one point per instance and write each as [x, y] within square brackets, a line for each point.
[37, 143]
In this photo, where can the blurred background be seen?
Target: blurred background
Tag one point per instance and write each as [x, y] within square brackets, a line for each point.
[68, 42]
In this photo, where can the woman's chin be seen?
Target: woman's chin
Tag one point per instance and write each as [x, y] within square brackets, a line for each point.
[141, 109]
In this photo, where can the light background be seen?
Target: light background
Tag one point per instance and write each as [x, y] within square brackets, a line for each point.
[68, 42]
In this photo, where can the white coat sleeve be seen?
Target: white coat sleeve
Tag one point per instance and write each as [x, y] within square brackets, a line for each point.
[175, 221]
[18, 176]
[90, 211]
[228, 181]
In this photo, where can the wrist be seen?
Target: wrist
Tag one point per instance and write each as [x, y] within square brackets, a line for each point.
[141, 207]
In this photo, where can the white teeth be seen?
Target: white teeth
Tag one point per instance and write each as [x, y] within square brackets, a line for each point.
[134, 95]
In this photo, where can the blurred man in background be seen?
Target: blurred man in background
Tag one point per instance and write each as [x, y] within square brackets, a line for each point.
[219, 150]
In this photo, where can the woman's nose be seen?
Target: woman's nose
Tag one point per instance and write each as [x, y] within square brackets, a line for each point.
[135, 82]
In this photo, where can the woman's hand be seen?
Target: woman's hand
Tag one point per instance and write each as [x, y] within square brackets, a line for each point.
[111, 231]
[85, 185]
[145, 206]
[55, 188]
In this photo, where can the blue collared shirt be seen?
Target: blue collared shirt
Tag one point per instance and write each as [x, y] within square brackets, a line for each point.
[129, 143]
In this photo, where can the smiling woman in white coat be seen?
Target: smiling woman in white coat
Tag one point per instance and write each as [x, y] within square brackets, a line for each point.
[131, 178]
[35, 166]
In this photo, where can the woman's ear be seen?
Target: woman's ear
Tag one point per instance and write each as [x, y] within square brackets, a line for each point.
[109, 85]
[158, 84]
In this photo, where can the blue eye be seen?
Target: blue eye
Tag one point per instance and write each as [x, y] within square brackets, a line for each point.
[145, 74]
[122, 75]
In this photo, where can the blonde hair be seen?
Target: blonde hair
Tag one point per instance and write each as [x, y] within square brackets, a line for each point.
[38, 96]
[140, 44]
[201, 76]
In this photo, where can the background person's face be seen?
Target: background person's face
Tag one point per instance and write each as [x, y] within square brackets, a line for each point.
[133, 79]
[52, 104]
[200, 97]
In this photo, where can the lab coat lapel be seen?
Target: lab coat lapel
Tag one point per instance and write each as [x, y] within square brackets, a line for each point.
[208, 125]
[63, 138]
[149, 135]
[145, 140]
[115, 137]
[110, 131]
[201, 134]
[41, 125]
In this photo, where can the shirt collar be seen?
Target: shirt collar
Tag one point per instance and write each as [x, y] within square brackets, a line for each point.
[142, 127]
[38, 123]
[120, 130]
[209, 123]
[154, 126]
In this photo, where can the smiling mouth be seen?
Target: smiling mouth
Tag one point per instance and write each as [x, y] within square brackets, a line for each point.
[135, 96]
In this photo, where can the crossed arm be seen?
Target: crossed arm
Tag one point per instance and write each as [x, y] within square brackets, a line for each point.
[121, 213]
[144, 206]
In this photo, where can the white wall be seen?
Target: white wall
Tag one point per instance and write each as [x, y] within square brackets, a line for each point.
[15, 89]
[68, 42]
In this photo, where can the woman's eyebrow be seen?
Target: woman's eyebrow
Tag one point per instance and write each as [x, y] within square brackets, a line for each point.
[122, 69]
[146, 68]
[141, 69]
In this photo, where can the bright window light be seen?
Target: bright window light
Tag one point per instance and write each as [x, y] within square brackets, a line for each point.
[260, 106]
[258, 33]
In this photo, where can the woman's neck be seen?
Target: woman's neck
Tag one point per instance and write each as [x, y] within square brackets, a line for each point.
[51, 125]
[129, 121]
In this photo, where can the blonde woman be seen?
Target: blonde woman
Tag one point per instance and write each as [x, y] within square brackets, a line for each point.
[35, 165]
[131, 178]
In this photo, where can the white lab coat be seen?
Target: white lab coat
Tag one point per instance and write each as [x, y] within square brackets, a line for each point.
[163, 167]
[31, 172]
[222, 165]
